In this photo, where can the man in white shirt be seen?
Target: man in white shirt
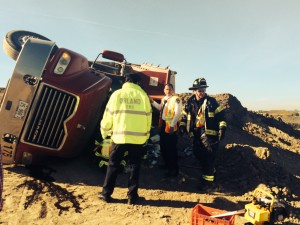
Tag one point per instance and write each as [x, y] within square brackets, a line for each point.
[170, 113]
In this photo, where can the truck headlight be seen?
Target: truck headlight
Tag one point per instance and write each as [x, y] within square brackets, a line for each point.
[62, 64]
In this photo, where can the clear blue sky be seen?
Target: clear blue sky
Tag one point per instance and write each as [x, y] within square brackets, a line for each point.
[250, 49]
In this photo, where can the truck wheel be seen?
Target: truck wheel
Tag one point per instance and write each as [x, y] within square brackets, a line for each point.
[14, 40]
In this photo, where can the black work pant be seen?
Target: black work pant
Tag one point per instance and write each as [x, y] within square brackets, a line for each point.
[168, 148]
[205, 150]
[134, 161]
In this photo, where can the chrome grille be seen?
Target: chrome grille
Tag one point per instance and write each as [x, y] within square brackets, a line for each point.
[46, 123]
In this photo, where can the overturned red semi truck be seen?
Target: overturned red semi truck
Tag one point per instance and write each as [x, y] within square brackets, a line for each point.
[55, 97]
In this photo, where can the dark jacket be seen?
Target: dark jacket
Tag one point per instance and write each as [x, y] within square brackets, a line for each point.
[214, 115]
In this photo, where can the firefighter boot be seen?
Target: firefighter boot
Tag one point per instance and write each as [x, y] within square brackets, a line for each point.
[206, 186]
[105, 198]
[133, 199]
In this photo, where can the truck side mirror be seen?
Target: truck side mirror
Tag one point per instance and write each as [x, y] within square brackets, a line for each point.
[115, 56]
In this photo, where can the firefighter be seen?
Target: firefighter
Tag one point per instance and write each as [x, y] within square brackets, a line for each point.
[170, 109]
[127, 119]
[204, 120]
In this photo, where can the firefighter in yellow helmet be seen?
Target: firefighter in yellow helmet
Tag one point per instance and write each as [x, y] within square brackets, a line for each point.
[204, 119]
[127, 118]
[170, 109]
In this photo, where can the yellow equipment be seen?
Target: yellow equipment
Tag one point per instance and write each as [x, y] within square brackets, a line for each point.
[103, 149]
[264, 209]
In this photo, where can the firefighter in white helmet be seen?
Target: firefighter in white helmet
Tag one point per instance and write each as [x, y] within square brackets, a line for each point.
[127, 118]
[204, 119]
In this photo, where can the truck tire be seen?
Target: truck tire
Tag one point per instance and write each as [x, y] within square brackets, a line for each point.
[14, 40]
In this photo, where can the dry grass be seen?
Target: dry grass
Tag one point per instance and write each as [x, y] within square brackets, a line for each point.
[290, 117]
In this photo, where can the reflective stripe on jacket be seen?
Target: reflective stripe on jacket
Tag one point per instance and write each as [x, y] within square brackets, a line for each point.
[127, 116]
[200, 118]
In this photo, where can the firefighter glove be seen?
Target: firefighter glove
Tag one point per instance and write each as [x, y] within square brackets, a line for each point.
[221, 134]
[182, 130]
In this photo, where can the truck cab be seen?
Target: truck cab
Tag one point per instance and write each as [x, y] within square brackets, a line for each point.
[55, 97]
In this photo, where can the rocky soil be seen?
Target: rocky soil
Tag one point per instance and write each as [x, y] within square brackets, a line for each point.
[258, 151]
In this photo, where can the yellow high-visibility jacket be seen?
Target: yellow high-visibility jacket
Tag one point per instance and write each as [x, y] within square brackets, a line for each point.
[128, 116]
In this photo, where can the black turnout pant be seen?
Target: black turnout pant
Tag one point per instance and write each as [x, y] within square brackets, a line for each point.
[134, 161]
[205, 150]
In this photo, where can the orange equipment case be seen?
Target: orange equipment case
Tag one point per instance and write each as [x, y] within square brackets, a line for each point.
[201, 215]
